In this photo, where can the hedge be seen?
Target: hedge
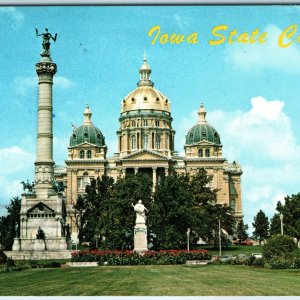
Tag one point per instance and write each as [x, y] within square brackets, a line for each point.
[163, 257]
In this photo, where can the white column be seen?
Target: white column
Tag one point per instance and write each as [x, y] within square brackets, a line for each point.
[44, 150]
[154, 178]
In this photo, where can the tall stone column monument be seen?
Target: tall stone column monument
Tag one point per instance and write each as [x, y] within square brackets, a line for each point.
[41, 217]
[140, 228]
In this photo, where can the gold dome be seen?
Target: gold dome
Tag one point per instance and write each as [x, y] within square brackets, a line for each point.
[145, 96]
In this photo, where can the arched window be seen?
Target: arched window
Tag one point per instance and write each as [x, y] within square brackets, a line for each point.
[133, 123]
[207, 152]
[200, 152]
[157, 123]
[86, 179]
[133, 142]
[89, 154]
[145, 141]
[157, 141]
[145, 122]
[82, 154]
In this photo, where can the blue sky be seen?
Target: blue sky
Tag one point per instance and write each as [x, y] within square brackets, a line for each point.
[251, 92]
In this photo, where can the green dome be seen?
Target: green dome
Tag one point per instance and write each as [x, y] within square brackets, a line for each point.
[87, 133]
[202, 132]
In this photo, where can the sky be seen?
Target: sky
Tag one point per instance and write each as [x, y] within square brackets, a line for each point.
[251, 91]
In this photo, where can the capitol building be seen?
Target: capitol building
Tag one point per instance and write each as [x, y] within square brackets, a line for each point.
[146, 145]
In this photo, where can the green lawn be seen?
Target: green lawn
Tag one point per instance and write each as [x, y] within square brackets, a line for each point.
[179, 280]
[234, 249]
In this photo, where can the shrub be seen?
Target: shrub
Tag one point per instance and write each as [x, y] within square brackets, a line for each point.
[283, 263]
[163, 257]
[278, 246]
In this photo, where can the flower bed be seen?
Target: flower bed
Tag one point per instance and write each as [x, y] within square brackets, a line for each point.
[163, 257]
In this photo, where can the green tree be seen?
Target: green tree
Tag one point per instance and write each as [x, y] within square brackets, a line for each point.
[215, 214]
[261, 226]
[275, 225]
[291, 215]
[119, 221]
[184, 201]
[241, 231]
[279, 246]
[8, 223]
[173, 211]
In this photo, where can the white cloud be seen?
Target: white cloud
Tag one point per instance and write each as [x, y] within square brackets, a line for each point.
[13, 13]
[63, 82]
[14, 159]
[23, 85]
[269, 55]
[262, 140]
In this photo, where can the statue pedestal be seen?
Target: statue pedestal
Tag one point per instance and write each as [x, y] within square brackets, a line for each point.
[140, 238]
[16, 245]
[39, 245]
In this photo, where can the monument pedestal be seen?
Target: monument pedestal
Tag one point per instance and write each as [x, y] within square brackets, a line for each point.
[140, 238]
[16, 245]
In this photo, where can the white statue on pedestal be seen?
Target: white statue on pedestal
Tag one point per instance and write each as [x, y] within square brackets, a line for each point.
[140, 212]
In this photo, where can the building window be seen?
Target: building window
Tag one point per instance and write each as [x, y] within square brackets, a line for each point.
[145, 99]
[133, 142]
[89, 154]
[86, 181]
[82, 154]
[145, 140]
[207, 152]
[133, 123]
[200, 152]
[157, 141]
[145, 122]
[157, 123]
[79, 183]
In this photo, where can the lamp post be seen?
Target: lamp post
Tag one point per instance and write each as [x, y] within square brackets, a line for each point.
[220, 241]
[188, 239]
[281, 223]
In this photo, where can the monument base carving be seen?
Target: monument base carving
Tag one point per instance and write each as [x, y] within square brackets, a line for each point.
[140, 238]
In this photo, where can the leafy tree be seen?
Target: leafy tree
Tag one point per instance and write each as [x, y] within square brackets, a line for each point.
[106, 209]
[241, 231]
[182, 202]
[8, 223]
[261, 225]
[215, 213]
[291, 215]
[275, 225]
[173, 211]
[119, 220]
[279, 246]
[88, 210]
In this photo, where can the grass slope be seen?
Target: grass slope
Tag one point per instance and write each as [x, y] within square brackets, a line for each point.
[211, 280]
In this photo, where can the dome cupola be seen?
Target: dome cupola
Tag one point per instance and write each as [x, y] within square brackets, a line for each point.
[145, 96]
[202, 131]
[87, 133]
[203, 140]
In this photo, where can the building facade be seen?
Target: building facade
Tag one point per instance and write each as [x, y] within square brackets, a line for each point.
[146, 145]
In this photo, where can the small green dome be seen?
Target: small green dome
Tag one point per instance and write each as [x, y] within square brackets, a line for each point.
[202, 131]
[87, 132]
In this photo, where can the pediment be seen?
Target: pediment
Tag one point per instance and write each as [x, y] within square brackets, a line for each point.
[40, 208]
[145, 155]
[205, 143]
[83, 145]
